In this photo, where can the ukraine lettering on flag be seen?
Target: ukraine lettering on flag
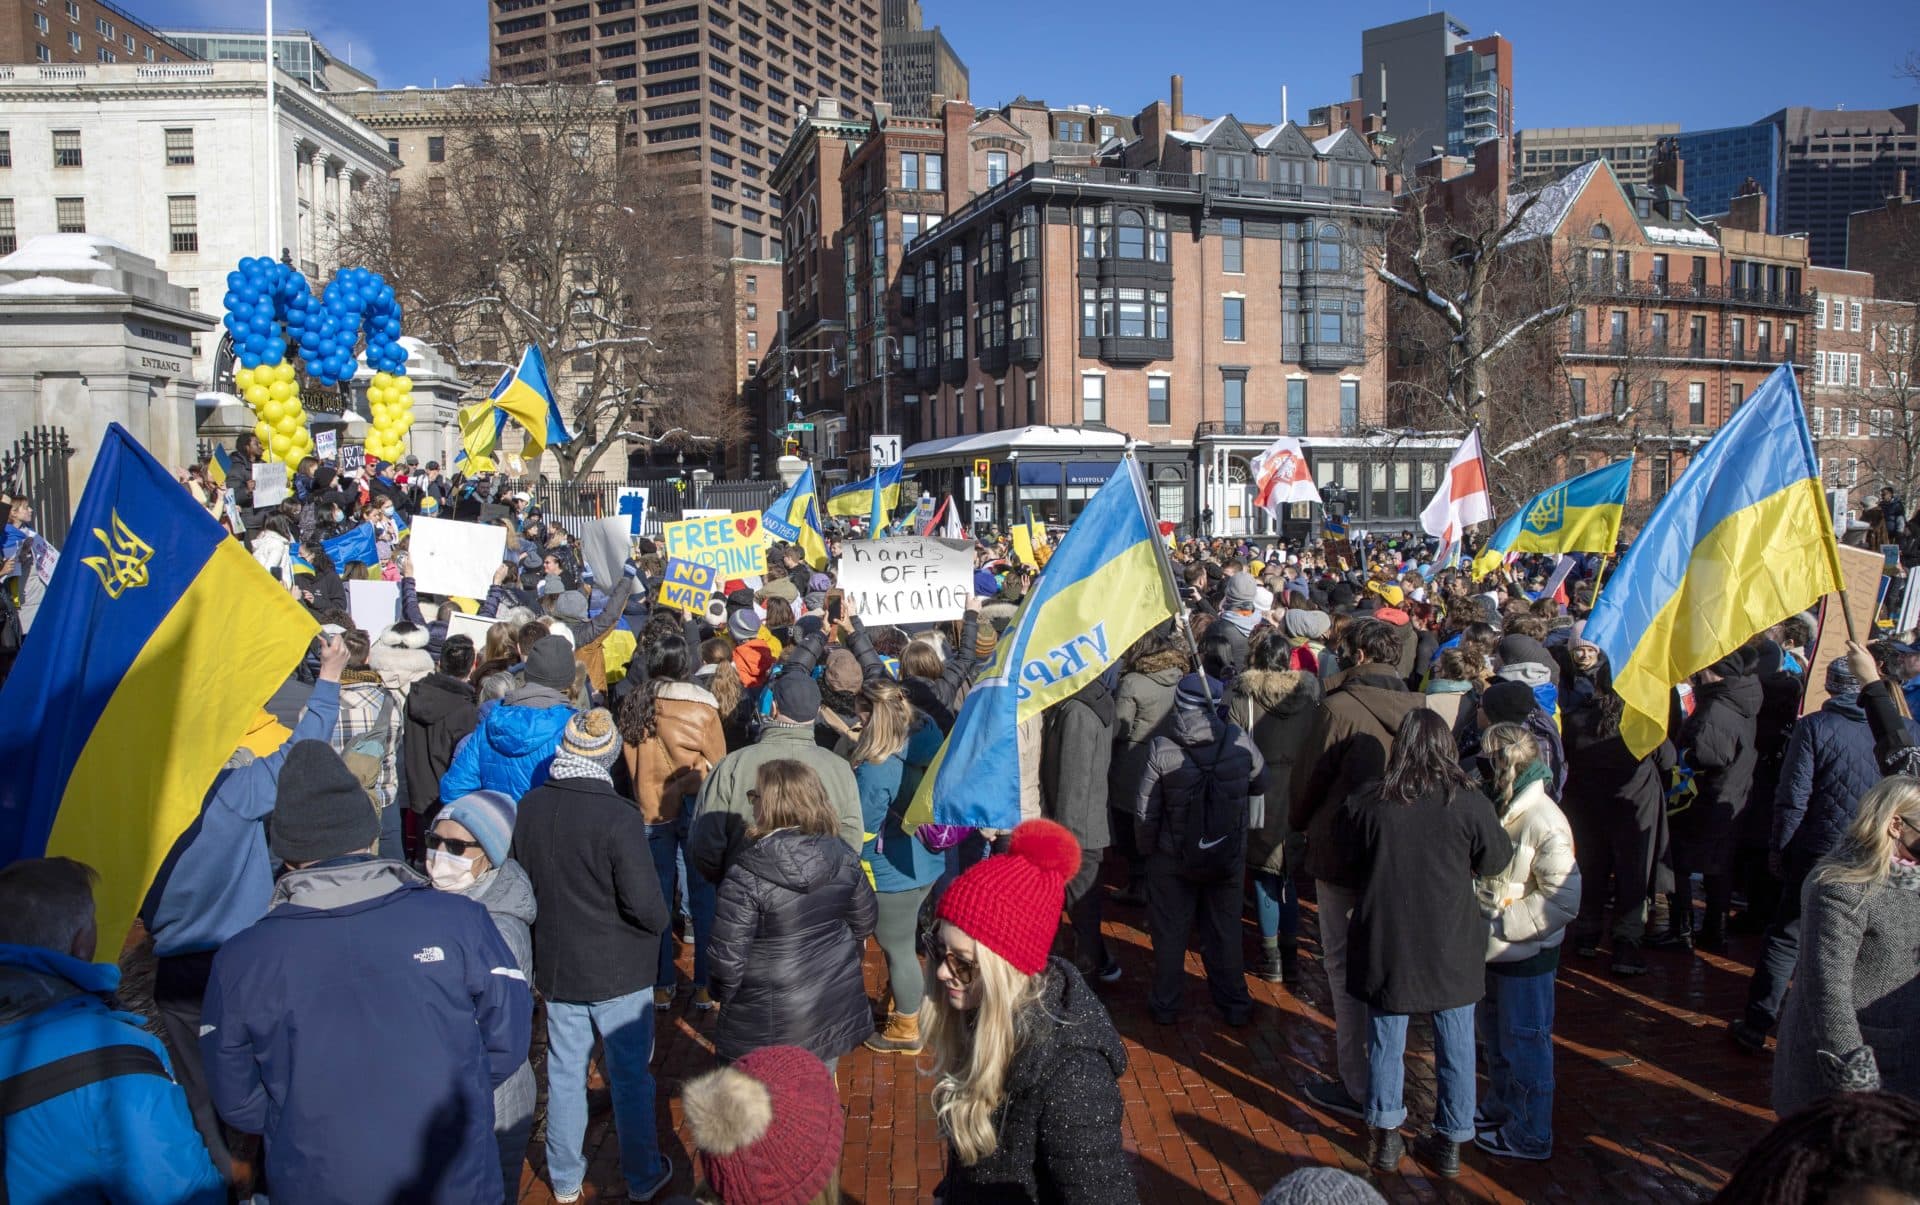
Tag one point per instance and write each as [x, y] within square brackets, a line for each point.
[1105, 586]
[525, 396]
[1741, 541]
[858, 498]
[795, 518]
[1580, 515]
[158, 642]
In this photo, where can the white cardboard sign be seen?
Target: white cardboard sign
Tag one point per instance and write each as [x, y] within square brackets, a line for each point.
[373, 605]
[455, 558]
[269, 483]
[906, 579]
[473, 627]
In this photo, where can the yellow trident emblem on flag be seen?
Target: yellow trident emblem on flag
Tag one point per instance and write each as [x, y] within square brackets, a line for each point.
[125, 565]
[1546, 514]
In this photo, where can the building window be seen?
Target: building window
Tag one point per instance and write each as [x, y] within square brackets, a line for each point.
[1697, 336]
[1658, 329]
[70, 215]
[1819, 423]
[6, 148]
[9, 234]
[1133, 235]
[909, 352]
[1617, 333]
[1576, 397]
[1133, 313]
[183, 225]
[1330, 328]
[1232, 246]
[1657, 399]
[996, 167]
[1619, 395]
[1660, 476]
[1033, 399]
[1159, 403]
[66, 148]
[1820, 314]
[436, 149]
[1737, 336]
[910, 170]
[1790, 341]
[1089, 314]
[753, 340]
[1696, 403]
[1349, 406]
[934, 172]
[753, 284]
[1327, 252]
[1577, 331]
[1853, 316]
[1233, 326]
[1763, 340]
[393, 147]
[41, 53]
[179, 148]
[1233, 400]
[1296, 407]
[1093, 398]
[1161, 316]
[73, 41]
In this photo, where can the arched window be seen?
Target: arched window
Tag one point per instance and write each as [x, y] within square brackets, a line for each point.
[1600, 233]
[1133, 235]
[1327, 253]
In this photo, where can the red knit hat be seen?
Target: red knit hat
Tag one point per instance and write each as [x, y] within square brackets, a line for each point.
[1011, 903]
[768, 1127]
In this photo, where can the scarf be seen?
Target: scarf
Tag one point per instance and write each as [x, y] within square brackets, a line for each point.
[572, 765]
[1536, 771]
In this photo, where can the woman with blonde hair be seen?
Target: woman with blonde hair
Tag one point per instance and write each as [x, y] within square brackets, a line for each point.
[895, 746]
[1849, 1020]
[792, 920]
[1528, 904]
[1025, 1058]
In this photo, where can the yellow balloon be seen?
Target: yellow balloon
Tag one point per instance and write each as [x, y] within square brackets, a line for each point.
[406, 401]
[403, 384]
[257, 396]
[243, 379]
[264, 431]
[286, 425]
[281, 390]
[285, 371]
[281, 444]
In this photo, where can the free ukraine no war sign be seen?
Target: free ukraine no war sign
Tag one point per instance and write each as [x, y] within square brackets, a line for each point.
[687, 585]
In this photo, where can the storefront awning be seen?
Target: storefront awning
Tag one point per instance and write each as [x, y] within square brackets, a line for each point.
[1042, 442]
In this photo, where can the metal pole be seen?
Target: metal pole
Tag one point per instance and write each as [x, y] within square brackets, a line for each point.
[273, 149]
[886, 368]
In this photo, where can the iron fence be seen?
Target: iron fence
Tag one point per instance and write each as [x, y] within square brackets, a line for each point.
[35, 468]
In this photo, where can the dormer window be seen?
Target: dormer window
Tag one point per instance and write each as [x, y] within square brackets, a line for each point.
[1600, 233]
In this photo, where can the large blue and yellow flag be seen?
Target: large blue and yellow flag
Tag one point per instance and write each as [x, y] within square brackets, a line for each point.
[525, 396]
[1741, 541]
[861, 496]
[1580, 515]
[795, 518]
[480, 427]
[356, 544]
[158, 642]
[1105, 586]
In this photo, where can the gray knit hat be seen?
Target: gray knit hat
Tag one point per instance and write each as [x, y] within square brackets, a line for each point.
[592, 736]
[320, 811]
[1322, 1186]
[550, 664]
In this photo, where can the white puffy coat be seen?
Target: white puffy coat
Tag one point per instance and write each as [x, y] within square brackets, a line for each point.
[1530, 903]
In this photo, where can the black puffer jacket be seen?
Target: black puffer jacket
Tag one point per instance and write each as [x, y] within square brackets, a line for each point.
[1059, 1126]
[793, 916]
[1075, 756]
[1201, 746]
[1718, 743]
[441, 711]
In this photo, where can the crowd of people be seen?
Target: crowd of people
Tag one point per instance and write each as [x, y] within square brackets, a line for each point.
[425, 850]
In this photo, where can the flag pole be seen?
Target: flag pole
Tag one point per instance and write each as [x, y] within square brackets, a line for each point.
[1165, 562]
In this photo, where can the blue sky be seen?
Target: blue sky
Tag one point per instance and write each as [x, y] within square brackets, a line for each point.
[1701, 63]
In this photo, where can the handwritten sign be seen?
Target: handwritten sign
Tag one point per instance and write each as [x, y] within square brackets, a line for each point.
[907, 579]
[269, 483]
[455, 558]
[325, 444]
[734, 544]
[687, 585]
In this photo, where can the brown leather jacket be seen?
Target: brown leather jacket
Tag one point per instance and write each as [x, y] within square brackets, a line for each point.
[686, 740]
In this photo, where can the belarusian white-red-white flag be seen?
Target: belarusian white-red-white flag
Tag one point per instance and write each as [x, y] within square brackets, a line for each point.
[945, 522]
[1280, 476]
[1462, 498]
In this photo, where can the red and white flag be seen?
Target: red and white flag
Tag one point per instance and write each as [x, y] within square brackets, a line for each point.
[1280, 476]
[945, 522]
[1462, 498]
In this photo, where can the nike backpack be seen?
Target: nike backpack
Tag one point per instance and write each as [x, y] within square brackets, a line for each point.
[1215, 846]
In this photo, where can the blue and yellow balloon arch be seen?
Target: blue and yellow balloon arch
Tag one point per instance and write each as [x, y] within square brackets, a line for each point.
[272, 315]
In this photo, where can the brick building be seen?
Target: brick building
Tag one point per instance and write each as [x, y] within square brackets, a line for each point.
[80, 31]
[1863, 390]
[1885, 242]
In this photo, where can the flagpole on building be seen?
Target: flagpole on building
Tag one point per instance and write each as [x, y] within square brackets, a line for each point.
[273, 149]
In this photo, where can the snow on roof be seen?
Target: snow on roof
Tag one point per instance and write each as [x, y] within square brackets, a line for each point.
[1556, 198]
[62, 253]
[1272, 134]
[1024, 439]
[49, 286]
[1322, 145]
[1679, 236]
[1200, 135]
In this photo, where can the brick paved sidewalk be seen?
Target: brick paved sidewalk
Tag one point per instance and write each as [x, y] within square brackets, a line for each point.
[1654, 1103]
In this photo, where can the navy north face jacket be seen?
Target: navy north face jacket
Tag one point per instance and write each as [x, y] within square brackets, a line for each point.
[361, 1026]
[1829, 765]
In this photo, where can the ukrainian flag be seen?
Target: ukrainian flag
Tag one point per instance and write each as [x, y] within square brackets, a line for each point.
[525, 396]
[1581, 515]
[158, 642]
[219, 465]
[1105, 586]
[795, 518]
[859, 498]
[1741, 541]
[480, 427]
[357, 544]
[1028, 539]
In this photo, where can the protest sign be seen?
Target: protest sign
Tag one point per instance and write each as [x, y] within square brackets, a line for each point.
[455, 558]
[734, 543]
[687, 585]
[325, 444]
[473, 627]
[1910, 604]
[1860, 571]
[907, 579]
[606, 544]
[373, 605]
[269, 483]
[633, 504]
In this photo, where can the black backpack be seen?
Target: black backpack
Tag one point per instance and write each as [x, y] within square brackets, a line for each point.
[1215, 846]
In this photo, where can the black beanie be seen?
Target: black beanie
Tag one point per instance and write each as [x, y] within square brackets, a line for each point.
[321, 811]
[1508, 702]
[550, 663]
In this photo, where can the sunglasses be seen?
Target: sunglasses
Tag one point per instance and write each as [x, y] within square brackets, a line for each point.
[963, 970]
[452, 845]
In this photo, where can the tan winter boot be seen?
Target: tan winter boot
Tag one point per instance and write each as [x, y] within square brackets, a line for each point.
[901, 1035]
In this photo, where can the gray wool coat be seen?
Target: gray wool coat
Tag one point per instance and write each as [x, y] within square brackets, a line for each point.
[1852, 1019]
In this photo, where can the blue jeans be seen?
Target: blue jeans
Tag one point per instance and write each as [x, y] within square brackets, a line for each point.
[665, 841]
[1453, 1060]
[1278, 905]
[625, 1026]
[1516, 1024]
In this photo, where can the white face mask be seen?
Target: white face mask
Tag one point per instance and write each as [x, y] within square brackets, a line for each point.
[448, 871]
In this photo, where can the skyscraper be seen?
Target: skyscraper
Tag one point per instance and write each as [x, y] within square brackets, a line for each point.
[916, 63]
[711, 87]
[1437, 85]
[1835, 162]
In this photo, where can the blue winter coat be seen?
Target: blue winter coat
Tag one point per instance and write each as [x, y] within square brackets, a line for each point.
[1829, 765]
[219, 878]
[899, 862]
[129, 1139]
[513, 746]
[362, 1027]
